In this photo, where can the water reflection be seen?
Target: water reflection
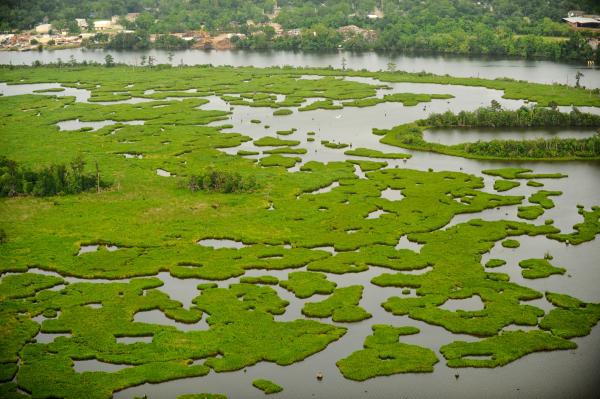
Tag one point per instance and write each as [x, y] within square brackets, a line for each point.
[457, 136]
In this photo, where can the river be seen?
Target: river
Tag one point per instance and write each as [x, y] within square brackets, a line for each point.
[530, 70]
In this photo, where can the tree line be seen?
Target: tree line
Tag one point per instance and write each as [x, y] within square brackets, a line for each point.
[55, 179]
[483, 41]
[140, 40]
[496, 117]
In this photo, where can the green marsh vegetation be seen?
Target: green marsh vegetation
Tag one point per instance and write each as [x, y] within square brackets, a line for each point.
[521, 173]
[282, 220]
[341, 306]
[406, 99]
[279, 160]
[505, 185]
[286, 150]
[539, 268]
[268, 141]
[495, 263]
[530, 212]
[283, 112]
[267, 386]
[369, 153]
[502, 349]
[306, 284]
[335, 146]
[286, 132]
[384, 355]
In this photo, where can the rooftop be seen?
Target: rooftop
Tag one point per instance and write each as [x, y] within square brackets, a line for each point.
[582, 20]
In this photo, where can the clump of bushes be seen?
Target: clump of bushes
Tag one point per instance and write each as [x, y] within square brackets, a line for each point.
[221, 182]
[55, 179]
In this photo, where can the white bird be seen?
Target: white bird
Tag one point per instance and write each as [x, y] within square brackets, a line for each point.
[338, 117]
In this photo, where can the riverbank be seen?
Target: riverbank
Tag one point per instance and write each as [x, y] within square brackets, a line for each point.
[488, 68]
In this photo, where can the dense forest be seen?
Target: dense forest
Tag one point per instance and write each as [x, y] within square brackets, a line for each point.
[519, 28]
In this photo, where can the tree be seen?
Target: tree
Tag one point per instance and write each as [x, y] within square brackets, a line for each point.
[143, 60]
[496, 106]
[391, 66]
[109, 61]
[170, 57]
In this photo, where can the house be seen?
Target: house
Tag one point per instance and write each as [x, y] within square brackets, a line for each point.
[376, 14]
[221, 42]
[102, 25]
[353, 30]
[7, 39]
[294, 32]
[276, 27]
[583, 22]
[115, 19]
[43, 29]
[275, 13]
[132, 16]
[575, 13]
[82, 23]
[44, 39]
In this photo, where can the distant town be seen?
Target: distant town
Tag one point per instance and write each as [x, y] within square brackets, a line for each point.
[46, 36]
[99, 33]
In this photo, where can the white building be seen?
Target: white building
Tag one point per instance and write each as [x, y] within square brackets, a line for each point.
[103, 25]
[132, 16]
[82, 23]
[43, 29]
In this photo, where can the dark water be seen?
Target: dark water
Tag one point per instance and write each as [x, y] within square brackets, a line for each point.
[530, 70]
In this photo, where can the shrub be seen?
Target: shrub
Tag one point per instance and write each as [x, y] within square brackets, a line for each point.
[222, 182]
